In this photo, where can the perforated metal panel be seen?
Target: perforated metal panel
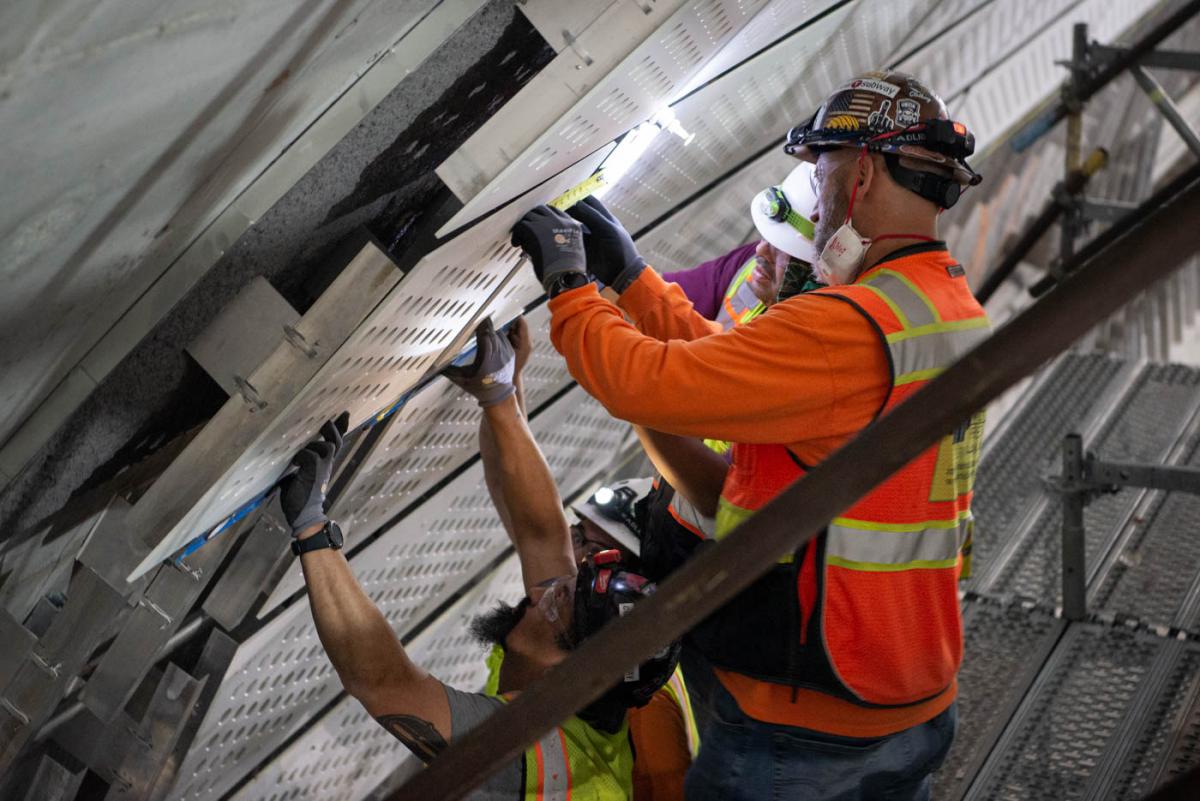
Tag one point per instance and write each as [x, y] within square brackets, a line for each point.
[281, 676]
[746, 110]
[690, 235]
[432, 435]
[1143, 427]
[1010, 475]
[426, 315]
[1158, 567]
[1002, 652]
[645, 81]
[998, 100]
[1056, 741]
[346, 753]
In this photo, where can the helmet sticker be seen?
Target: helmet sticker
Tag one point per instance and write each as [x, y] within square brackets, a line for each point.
[908, 112]
[842, 122]
[874, 85]
[913, 91]
[879, 119]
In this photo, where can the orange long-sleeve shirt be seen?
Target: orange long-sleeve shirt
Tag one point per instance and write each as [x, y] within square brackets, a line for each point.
[809, 373]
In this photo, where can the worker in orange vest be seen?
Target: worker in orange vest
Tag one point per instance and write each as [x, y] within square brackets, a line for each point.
[837, 669]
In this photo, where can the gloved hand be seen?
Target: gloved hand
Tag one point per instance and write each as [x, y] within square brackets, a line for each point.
[554, 243]
[302, 494]
[490, 377]
[611, 255]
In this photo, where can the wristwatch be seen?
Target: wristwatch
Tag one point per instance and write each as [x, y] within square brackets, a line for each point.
[330, 536]
[566, 281]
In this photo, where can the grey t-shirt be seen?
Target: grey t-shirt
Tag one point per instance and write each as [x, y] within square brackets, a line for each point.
[467, 710]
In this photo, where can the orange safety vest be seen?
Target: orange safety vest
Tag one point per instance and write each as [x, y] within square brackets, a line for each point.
[872, 640]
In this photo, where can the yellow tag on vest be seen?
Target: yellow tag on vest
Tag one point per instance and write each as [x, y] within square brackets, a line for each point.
[957, 460]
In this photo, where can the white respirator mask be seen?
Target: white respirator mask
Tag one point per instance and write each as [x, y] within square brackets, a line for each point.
[844, 253]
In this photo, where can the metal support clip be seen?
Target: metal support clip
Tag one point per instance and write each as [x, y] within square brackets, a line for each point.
[156, 609]
[40, 662]
[296, 339]
[14, 711]
[573, 43]
[249, 394]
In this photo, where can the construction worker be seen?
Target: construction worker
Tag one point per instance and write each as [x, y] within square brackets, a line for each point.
[837, 669]
[568, 597]
[742, 284]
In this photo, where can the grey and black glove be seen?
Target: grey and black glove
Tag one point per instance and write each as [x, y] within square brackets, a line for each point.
[490, 377]
[302, 494]
[611, 254]
[554, 243]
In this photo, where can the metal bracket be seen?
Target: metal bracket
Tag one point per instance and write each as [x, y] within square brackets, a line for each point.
[249, 394]
[1106, 211]
[1167, 59]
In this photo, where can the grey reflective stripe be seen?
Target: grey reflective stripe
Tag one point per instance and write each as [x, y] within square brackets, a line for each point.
[935, 349]
[877, 546]
[916, 310]
[554, 781]
[691, 518]
[740, 295]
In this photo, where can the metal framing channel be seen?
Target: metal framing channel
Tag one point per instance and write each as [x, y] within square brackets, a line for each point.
[1067, 722]
[1009, 491]
[1144, 426]
[281, 677]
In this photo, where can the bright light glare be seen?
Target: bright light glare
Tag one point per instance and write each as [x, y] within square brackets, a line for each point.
[635, 144]
[603, 496]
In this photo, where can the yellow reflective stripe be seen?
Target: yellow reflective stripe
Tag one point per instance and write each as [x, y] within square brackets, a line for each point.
[877, 567]
[970, 323]
[900, 528]
[918, 375]
[730, 516]
[676, 687]
[921, 296]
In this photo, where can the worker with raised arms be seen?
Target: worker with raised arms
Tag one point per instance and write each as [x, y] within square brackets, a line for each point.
[837, 670]
[633, 743]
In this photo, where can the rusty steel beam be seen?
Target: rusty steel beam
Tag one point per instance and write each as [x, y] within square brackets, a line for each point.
[1150, 250]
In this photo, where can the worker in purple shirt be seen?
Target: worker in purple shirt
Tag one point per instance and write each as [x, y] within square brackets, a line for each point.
[737, 287]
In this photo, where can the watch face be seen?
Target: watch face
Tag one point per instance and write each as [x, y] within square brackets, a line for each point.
[335, 535]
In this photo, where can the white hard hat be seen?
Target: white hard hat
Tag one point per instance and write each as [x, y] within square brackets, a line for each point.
[612, 509]
[783, 214]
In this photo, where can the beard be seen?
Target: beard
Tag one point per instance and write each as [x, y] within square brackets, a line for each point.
[831, 218]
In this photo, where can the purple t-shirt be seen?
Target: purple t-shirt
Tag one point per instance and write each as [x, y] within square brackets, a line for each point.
[705, 284]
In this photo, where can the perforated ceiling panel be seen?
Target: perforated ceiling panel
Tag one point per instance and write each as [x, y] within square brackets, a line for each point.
[433, 434]
[997, 100]
[409, 332]
[346, 753]
[715, 223]
[281, 677]
[749, 108]
[646, 80]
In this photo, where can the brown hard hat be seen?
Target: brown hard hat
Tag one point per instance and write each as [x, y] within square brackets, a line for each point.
[876, 110]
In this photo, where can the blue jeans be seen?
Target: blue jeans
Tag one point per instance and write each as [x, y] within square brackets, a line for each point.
[743, 758]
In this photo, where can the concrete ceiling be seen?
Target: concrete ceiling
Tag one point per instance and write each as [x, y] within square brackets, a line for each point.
[130, 125]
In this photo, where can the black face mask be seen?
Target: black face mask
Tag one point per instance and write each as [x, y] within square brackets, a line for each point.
[798, 278]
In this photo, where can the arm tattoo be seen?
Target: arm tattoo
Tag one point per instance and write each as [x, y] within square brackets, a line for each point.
[419, 735]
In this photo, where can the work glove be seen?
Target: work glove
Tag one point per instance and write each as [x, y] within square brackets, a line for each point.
[554, 243]
[611, 254]
[489, 378]
[302, 493]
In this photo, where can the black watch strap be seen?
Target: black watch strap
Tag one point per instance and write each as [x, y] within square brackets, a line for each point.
[566, 281]
[325, 538]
